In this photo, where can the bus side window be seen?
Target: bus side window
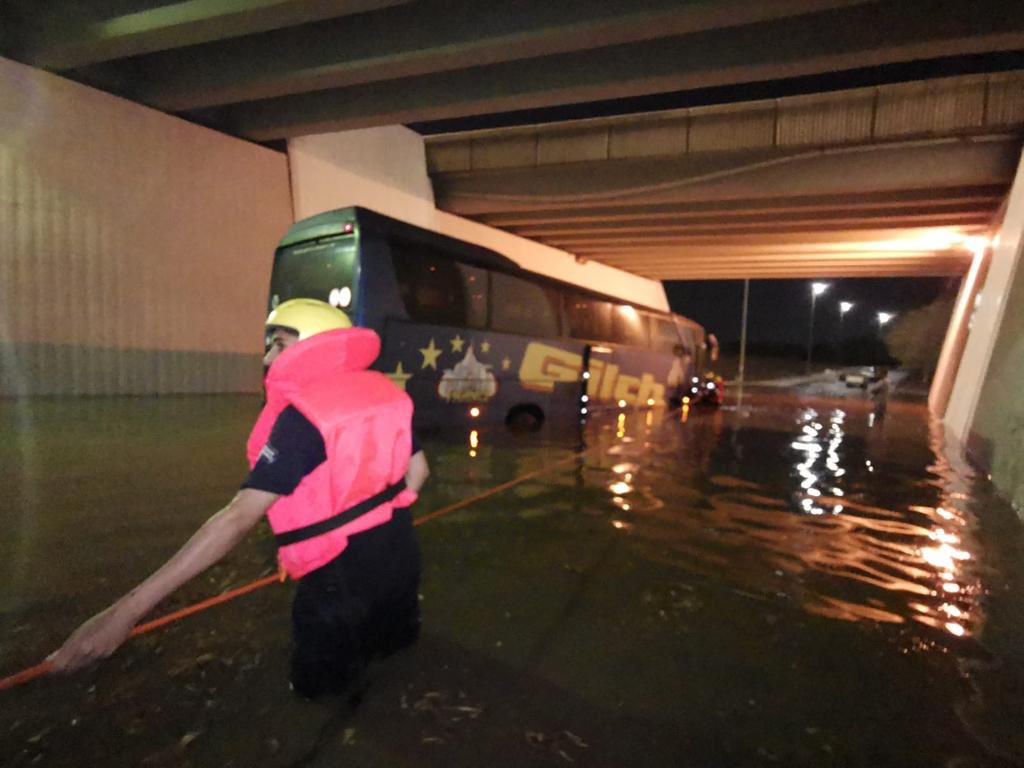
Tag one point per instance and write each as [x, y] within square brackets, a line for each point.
[691, 338]
[588, 318]
[521, 306]
[474, 284]
[664, 337]
[628, 326]
[430, 284]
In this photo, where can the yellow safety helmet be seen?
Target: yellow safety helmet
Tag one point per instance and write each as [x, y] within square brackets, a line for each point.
[307, 317]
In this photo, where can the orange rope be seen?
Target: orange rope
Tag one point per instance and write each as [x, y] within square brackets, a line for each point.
[203, 605]
[492, 491]
[44, 667]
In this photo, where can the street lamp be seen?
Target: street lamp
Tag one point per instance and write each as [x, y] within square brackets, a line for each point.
[816, 290]
[885, 317]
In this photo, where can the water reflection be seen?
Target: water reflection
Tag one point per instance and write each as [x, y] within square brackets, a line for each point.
[818, 466]
[803, 517]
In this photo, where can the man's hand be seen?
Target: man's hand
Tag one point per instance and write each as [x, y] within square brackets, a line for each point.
[96, 639]
[104, 633]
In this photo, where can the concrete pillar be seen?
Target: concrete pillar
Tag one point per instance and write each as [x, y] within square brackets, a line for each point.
[385, 170]
[986, 408]
[956, 335]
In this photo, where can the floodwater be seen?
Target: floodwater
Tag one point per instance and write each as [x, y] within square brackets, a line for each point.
[785, 584]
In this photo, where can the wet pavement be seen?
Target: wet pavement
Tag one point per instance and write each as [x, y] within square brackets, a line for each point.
[790, 583]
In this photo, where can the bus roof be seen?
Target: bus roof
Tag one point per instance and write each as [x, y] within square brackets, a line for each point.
[332, 223]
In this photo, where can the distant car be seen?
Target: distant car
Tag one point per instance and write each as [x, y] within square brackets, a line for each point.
[860, 377]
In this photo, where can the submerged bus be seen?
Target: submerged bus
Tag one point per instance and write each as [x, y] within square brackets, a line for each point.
[471, 335]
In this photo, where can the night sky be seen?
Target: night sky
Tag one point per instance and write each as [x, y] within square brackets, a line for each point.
[780, 309]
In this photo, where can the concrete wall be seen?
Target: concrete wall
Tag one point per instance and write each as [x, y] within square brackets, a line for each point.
[986, 408]
[957, 333]
[996, 438]
[384, 169]
[135, 247]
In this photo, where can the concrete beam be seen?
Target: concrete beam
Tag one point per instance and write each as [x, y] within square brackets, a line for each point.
[912, 201]
[925, 167]
[801, 273]
[725, 267]
[428, 37]
[781, 48]
[950, 106]
[792, 222]
[69, 40]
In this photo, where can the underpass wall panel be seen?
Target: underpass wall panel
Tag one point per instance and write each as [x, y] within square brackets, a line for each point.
[1005, 105]
[649, 137]
[986, 408]
[734, 126]
[819, 120]
[505, 153]
[136, 246]
[450, 156]
[572, 146]
[996, 437]
[938, 106]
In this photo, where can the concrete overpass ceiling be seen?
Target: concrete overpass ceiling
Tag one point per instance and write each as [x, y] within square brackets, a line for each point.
[895, 180]
[887, 178]
[270, 69]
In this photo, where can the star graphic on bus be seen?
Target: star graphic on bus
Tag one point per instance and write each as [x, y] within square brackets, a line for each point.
[399, 376]
[457, 343]
[430, 354]
[485, 347]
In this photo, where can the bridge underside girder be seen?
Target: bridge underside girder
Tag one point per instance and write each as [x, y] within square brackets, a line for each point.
[901, 209]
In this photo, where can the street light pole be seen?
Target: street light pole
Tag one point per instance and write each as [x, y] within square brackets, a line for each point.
[816, 290]
[743, 344]
[844, 307]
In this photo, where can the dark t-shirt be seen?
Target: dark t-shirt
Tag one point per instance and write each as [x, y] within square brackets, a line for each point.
[294, 449]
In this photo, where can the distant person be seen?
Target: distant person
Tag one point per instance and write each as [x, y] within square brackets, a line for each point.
[879, 392]
[333, 462]
[712, 347]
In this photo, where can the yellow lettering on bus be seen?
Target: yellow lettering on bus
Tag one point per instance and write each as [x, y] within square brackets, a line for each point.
[626, 389]
[544, 366]
[611, 372]
[650, 389]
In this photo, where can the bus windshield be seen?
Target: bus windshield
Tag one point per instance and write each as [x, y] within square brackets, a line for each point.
[319, 270]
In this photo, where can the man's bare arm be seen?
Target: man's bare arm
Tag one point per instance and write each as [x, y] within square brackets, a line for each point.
[101, 635]
[417, 472]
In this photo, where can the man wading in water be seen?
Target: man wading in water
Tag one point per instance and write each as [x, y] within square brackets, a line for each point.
[334, 467]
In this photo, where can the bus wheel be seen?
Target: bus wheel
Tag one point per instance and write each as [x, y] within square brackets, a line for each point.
[525, 418]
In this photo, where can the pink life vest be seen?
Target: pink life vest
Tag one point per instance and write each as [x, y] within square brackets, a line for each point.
[365, 421]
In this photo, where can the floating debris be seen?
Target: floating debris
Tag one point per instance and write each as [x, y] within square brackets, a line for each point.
[188, 738]
[41, 735]
[557, 743]
[576, 740]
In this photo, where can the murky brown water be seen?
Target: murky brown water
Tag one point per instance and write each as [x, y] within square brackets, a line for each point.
[786, 585]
